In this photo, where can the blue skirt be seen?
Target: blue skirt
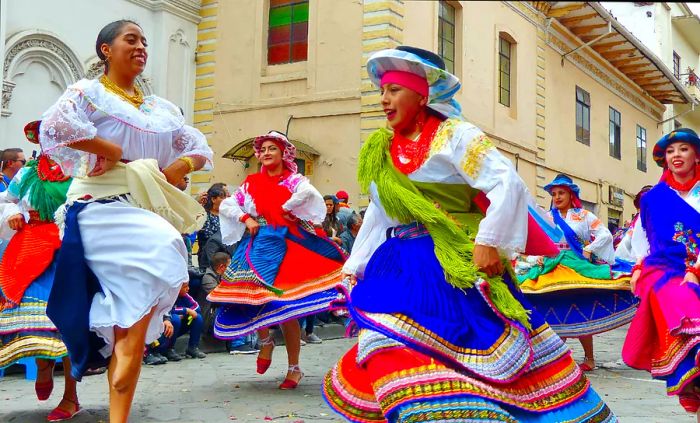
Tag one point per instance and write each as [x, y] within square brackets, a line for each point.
[25, 330]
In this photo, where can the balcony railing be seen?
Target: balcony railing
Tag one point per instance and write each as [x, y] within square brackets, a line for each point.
[690, 79]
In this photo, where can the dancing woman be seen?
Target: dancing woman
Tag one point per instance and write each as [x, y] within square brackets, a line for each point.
[26, 276]
[444, 335]
[122, 259]
[582, 291]
[664, 337]
[284, 267]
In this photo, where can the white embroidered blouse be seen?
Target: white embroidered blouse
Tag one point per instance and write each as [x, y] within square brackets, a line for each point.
[86, 109]
[592, 231]
[460, 153]
[306, 203]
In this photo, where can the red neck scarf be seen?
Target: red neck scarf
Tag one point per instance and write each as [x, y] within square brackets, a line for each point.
[409, 155]
[668, 178]
[269, 195]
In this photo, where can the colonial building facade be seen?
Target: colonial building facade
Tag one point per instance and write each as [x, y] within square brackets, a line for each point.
[47, 45]
[559, 86]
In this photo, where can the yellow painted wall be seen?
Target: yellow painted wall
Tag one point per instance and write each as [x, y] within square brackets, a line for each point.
[322, 94]
[593, 165]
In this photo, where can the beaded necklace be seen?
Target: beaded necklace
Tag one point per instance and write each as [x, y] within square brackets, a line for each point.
[135, 100]
[408, 155]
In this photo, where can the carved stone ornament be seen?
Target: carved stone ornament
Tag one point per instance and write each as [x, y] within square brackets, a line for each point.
[41, 41]
[7, 88]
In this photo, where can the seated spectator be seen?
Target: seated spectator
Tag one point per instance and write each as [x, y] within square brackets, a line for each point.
[348, 236]
[212, 276]
[153, 351]
[186, 317]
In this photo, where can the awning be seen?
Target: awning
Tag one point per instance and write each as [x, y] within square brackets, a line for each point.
[589, 21]
[243, 151]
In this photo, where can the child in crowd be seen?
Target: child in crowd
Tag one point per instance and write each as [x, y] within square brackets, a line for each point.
[185, 316]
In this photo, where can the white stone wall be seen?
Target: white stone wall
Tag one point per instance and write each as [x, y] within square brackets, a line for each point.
[47, 45]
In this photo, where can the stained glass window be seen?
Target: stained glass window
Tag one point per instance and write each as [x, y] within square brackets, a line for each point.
[288, 31]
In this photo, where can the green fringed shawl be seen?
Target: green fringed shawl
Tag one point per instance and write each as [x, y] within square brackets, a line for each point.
[402, 201]
[44, 196]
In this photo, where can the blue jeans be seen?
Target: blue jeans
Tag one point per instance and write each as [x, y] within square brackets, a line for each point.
[243, 340]
[180, 327]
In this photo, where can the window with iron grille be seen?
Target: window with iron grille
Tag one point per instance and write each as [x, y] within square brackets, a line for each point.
[446, 34]
[583, 116]
[615, 131]
[504, 74]
[676, 65]
[641, 149]
[288, 31]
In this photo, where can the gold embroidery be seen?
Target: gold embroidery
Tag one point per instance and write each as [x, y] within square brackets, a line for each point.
[474, 157]
[443, 135]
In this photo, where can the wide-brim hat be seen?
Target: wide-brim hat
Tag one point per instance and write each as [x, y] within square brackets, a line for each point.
[677, 135]
[562, 180]
[425, 64]
[289, 151]
[31, 131]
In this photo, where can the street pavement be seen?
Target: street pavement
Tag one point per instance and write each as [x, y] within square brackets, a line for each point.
[225, 388]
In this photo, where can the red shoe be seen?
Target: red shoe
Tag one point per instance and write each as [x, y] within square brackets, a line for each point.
[288, 384]
[44, 390]
[587, 367]
[59, 414]
[689, 402]
[263, 364]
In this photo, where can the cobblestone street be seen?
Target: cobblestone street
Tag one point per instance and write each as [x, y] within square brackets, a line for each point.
[224, 388]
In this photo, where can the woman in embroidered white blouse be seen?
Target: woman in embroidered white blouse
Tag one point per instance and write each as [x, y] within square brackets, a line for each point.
[126, 219]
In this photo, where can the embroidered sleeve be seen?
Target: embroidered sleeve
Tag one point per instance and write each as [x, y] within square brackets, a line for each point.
[189, 141]
[624, 248]
[8, 208]
[65, 123]
[372, 234]
[483, 167]
[306, 202]
[230, 212]
[640, 243]
[602, 240]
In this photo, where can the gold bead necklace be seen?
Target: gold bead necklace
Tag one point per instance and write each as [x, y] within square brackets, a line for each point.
[135, 100]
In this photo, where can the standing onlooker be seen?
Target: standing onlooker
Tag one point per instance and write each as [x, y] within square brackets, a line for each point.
[350, 233]
[343, 210]
[11, 161]
[331, 225]
[215, 195]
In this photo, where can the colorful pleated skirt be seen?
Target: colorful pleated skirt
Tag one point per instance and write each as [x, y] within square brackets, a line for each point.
[664, 337]
[430, 352]
[278, 275]
[25, 330]
[578, 298]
